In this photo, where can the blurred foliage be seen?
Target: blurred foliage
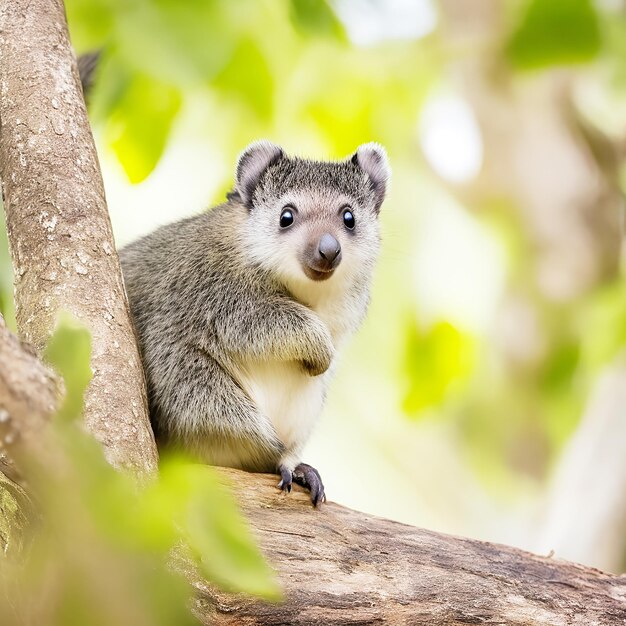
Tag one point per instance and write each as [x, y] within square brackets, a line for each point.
[553, 32]
[614, 31]
[315, 17]
[68, 351]
[101, 550]
[436, 358]
[137, 136]
[254, 55]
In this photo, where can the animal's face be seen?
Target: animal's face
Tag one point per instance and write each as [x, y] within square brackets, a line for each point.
[316, 222]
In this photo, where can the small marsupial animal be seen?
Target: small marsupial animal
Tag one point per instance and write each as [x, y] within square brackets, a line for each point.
[240, 311]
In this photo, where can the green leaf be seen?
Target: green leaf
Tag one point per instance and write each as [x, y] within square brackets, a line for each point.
[175, 41]
[558, 370]
[140, 124]
[315, 17]
[69, 353]
[614, 29]
[113, 79]
[603, 311]
[247, 76]
[187, 504]
[90, 23]
[435, 359]
[213, 528]
[555, 32]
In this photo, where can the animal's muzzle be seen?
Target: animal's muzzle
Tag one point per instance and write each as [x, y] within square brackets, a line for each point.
[329, 251]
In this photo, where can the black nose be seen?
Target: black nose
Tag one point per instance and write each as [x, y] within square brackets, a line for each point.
[329, 248]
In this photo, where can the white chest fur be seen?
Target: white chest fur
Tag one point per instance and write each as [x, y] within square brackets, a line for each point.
[290, 398]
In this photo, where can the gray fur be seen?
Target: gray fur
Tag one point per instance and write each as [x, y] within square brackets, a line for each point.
[252, 163]
[216, 295]
[87, 65]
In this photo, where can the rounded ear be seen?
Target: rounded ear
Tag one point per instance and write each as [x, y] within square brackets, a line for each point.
[252, 163]
[372, 159]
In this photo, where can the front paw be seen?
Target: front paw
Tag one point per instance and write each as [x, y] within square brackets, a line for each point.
[316, 350]
[309, 478]
[315, 368]
[305, 476]
[286, 478]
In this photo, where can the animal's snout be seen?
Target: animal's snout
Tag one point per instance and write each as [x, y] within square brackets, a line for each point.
[321, 257]
[330, 250]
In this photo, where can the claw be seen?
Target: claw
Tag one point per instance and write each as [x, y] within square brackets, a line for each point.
[285, 479]
[309, 478]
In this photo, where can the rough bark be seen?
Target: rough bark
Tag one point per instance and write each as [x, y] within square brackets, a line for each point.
[15, 506]
[29, 394]
[59, 230]
[339, 566]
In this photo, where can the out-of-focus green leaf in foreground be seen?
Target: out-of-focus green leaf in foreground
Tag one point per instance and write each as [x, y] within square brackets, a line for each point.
[68, 351]
[99, 553]
[555, 32]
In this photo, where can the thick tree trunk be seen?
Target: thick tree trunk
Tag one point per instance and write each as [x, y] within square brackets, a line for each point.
[339, 566]
[59, 231]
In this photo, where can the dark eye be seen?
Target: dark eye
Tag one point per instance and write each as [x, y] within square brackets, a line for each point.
[348, 219]
[286, 217]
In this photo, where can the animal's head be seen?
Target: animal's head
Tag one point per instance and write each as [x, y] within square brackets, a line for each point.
[312, 221]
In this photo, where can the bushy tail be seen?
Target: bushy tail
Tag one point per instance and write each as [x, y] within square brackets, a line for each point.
[87, 64]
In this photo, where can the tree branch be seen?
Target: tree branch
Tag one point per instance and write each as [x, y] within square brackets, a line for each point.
[339, 566]
[29, 394]
[59, 231]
